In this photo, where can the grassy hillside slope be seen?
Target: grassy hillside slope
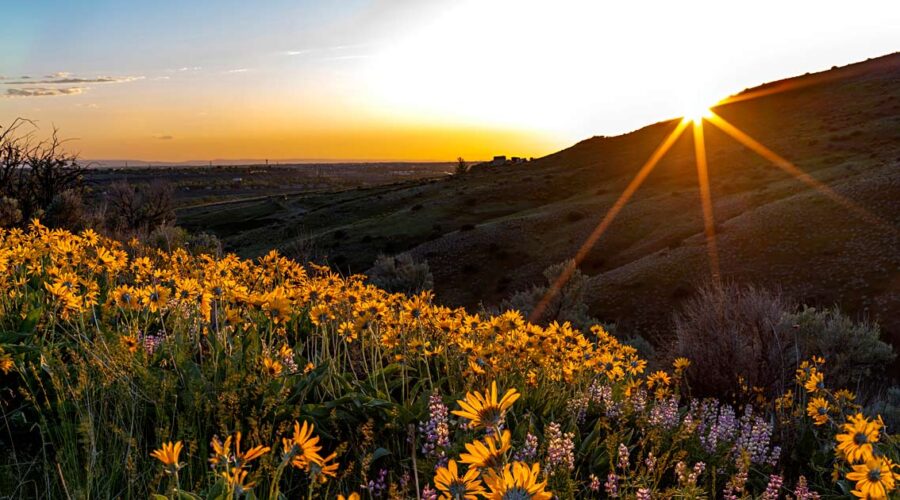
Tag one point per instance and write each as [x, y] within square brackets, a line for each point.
[494, 230]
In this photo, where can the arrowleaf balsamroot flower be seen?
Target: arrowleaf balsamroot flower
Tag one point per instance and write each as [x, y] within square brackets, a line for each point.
[236, 478]
[168, 454]
[818, 410]
[6, 362]
[240, 458]
[272, 367]
[855, 443]
[467, 487]
[815, 382]
[680, 365]
[486, 410]
[324, 468]
[307, 449]
[874, 479]
[488, 454]
[517, 481]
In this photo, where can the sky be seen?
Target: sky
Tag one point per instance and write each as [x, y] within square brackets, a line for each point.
[400, 79]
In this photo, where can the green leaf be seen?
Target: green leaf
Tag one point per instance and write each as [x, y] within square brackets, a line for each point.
[30, 322]
[218, 492]
[380, 452]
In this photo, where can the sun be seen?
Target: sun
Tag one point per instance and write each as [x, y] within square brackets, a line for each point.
[695, 102]
[696, 113]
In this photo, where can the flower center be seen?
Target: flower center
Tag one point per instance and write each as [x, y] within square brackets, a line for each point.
[516, 494]
[490, 415]
[875, 475]
[458, 489]
[860, 438]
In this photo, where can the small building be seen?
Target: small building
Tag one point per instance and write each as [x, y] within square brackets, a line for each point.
[498, 160]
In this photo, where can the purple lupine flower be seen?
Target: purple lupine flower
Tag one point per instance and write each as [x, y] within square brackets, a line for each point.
[623, 457]
[560, 448]
[577, 407]
[735, 486]
[775, 456]
[151, 343]
[377, 487]
[595, 482]
[528, 450]
[600, 394]
[665, 414]
[429, 494]
[699, 467]
[772, 489]
[612, 485]
[436, 431]
[802, 492]
[639, 401]
[754, 437]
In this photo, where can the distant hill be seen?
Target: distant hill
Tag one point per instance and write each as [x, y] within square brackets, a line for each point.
[493, 231]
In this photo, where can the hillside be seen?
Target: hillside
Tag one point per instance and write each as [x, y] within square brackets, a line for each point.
[493, 231]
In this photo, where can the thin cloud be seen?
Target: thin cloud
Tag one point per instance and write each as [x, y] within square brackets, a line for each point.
[315, 50]
[237, 70]
[58, 78]
[163, 137]
[44, 91]
[189, 68]
[68, 80]
[344, 58]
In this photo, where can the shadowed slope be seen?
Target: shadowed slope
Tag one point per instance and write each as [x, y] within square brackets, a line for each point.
[494, 230]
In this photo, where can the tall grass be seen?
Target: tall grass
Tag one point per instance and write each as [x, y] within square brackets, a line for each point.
[109, 350]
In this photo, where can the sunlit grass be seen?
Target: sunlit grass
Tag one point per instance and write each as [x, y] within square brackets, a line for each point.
[129, 372]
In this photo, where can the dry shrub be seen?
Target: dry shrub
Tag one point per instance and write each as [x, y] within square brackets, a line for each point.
[401, 273]
[730, 331]
[67, 211]
[35, 172]
[140, 208]
[170, 238]
[856, 356]
[10, 214]
[569, 304]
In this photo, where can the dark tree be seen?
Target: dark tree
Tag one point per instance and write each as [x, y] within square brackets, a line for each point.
[461, 166]
[33, 172]
[140, 208]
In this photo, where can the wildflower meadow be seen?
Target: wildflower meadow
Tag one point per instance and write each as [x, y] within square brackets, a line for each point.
[127, 372]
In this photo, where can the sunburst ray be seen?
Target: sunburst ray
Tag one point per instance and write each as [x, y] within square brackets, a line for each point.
[709, 223]
[795, 171]
[607, 220]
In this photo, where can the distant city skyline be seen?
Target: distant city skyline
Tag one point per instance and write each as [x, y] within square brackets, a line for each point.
[413, 80]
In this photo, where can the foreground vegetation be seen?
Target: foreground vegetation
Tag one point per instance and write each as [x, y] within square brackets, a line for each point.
[128, 371]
